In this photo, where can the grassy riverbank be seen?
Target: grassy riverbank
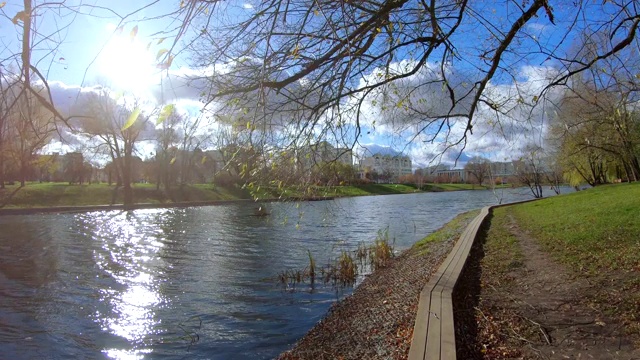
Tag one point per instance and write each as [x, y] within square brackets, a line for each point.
[36, 195]
[556, 276]
[62, 194]
[376, 321]
[561, 276]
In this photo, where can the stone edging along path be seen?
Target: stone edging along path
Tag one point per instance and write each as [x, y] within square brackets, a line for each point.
[434, 329]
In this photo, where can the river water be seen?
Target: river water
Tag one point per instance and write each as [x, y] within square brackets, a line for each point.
[196, 283]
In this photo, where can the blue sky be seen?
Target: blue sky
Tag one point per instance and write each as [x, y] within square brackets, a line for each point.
[91, 50]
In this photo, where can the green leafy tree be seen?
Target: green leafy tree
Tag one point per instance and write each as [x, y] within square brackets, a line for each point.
[597, 122]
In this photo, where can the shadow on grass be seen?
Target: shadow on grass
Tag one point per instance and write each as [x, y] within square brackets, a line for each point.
[466, 298]
[382, 189]
[6, 199]
[431, 188]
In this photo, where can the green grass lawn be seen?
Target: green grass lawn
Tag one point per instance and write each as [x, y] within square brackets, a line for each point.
[592, 231]
[372, 189]
[451, 187]
[62, 194]
[596, 234]
[336, 191]
[452, 229]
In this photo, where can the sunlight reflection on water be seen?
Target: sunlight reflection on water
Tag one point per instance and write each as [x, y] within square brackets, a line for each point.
[191, 282]
[127, 255]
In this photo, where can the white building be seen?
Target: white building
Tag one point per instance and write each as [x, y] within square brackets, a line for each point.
[433, 170]
[323, 152]
[503, 169]
[396, 164]
[453, 175]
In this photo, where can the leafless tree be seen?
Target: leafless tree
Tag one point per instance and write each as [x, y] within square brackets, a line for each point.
[167, 138]
[597, 120]
[116, 128]
[30, 126]
[479, 168]
[297, 71]
[4, 125]
[530, 169]
[421, 67]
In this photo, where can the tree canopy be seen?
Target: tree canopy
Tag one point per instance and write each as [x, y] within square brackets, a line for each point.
[285, 74]
[422, 68]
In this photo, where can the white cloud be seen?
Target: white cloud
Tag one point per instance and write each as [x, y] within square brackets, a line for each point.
[418, 105]
[538, 28]
[393, 115]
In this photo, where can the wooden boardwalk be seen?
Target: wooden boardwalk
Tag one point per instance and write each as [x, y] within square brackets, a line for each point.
[434, 331]
[434, 334]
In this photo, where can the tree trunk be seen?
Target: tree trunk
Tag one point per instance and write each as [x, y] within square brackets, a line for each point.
[23, 171]
[126, 175]
[2, 171]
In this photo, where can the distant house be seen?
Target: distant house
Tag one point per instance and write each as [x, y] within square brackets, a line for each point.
[443, 173]
[431, 171]
[503, 169]
[177, 166]
[382, 164]
[114, 176]
[323, 152]
[452, 175]
[313, 162]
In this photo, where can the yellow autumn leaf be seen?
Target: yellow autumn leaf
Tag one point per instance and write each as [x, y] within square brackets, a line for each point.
[160, 53]
[132, 119]
[165, 113]
[118, 95]
[133, 32]
[167, 64]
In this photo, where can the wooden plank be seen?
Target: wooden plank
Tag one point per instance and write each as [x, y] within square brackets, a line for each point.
[432, 350]
[419, 338]
[448, 338]
[434, 330]
[445, 347]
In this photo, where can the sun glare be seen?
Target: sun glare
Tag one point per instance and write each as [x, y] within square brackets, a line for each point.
[127, 64]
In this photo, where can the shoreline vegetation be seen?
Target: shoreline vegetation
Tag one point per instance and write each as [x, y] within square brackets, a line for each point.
[582, 250]
[376, 321]
[55, 197]
[556, 278]
[581, 247]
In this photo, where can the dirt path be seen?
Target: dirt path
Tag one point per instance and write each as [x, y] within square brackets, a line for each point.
[531, 307]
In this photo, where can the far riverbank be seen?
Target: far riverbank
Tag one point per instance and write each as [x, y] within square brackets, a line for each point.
[62, 197]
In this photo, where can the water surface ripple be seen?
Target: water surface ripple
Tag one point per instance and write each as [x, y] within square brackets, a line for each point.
[193, 283]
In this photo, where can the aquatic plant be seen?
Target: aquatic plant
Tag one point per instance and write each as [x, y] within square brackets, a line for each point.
[381, 252]
[344, 270]
[347, 271]
[190, 329]
[312, 267]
